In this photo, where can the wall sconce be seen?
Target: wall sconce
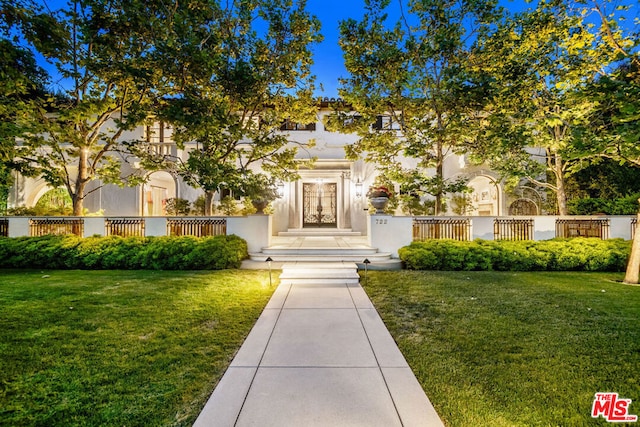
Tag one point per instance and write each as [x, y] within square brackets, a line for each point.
[358, 188]
[281, 189]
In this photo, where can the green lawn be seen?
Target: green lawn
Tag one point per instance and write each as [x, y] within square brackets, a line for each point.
[119, 348]
[515, 349]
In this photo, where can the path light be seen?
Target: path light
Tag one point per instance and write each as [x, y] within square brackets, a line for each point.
[269, 261]
[366, 264]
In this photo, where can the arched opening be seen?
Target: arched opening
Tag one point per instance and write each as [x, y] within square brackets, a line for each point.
[54, 202]
[485, 196]
[522, 207]
[160, 187]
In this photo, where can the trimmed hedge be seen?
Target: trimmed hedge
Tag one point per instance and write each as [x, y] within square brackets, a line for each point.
[131, 253]
[579, 254]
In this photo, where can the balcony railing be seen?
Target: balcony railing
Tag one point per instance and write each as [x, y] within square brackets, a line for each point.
[125, 227]
[441, 228]
[513, 229]
[56, 226]
[590, 227]
[199, 227]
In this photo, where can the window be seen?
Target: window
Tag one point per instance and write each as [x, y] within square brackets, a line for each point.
[387, 123]
[290, 125]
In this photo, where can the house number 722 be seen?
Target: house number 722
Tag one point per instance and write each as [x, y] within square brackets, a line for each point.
[381, 221]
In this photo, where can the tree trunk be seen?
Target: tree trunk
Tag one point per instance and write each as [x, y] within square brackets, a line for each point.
[561, 194]
[77, 193]
[440, 176]
[208, 202]
[633, 267]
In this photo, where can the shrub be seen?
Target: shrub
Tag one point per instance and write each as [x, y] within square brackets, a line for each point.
[130, 253]
[177, 207]
[580, 254]
[591, 206]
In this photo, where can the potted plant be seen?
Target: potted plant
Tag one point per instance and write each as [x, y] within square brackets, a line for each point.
[379, 197]
[261, 190]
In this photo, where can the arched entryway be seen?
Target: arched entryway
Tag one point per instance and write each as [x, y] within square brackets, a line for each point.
[159, 187]
[486, 196]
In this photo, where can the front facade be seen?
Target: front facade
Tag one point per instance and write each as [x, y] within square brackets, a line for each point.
[329, 195]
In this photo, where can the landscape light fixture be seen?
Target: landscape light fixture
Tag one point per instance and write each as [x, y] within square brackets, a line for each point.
[366, 264]
[358, 188]
[269, 261]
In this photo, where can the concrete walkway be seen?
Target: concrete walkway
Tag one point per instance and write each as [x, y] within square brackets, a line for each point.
[319, 355]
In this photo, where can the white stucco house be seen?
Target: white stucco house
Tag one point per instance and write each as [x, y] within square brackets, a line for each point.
[329, 195]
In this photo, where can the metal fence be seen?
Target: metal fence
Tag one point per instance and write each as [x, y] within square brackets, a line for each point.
[591, 227]
[4, 228]
[513, 229]
[125, 227]
[199, 227]
[57, 226]
[441, 228]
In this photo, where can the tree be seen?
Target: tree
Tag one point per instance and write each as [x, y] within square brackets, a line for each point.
[239, 71]
[23, 81]
[101, 53]
[408, 87]
[538, 65]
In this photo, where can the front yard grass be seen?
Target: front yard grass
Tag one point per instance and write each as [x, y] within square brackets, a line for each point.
[134, 348]
[514, 349]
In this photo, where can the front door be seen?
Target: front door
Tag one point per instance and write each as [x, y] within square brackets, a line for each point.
[319, 204]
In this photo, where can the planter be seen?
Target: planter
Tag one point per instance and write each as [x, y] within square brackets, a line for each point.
[260, 205]
[380, 204]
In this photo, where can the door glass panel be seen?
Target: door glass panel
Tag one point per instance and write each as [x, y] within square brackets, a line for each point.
[319, 204]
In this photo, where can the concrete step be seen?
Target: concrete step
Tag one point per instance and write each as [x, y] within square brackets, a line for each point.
[318, 257]
[348, 273]
[304, 232]
[317, 251]
[319, 273]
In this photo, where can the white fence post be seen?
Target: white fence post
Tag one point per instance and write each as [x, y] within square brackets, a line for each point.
[255, 229]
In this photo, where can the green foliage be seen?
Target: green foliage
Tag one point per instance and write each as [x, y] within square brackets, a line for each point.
[54, 202]
[258, 186]
[241, 71]
[406, 97]
[411, 204]
[178, 207]
[228, 206]
[590, 206]
[535, 67]
[104, 54]
[199, 206]
[604, 179]
[580, 254]
[131, 253]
